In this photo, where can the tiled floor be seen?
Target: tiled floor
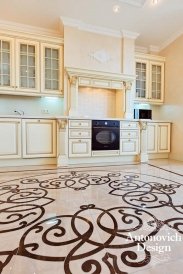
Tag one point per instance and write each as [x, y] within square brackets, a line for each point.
[116, 219]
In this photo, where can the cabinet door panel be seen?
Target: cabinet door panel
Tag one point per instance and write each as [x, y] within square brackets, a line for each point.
[52, 69]
[27, 57]
[142, 70]
[7, 71]
[152, 138]
[163, 137]
[129, 147]
[39, 138]
[10, 138]
[157, 81]
[79, 148]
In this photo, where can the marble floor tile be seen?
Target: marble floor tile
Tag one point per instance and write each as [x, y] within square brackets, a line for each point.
[105, 219]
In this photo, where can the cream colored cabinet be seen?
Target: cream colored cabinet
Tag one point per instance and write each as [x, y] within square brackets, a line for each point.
[10, 138]
[129, 138]
[129, 146]
[79, 147]
[27, 66]
[39, 138]
[79, 138]
[51, 68]
[150, 78]
[158, 137]
[7, 72]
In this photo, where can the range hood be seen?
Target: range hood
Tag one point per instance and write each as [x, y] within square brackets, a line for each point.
[77, 78]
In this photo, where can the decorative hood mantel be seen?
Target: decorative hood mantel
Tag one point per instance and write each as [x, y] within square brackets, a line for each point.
[94, 79]
[104, 79]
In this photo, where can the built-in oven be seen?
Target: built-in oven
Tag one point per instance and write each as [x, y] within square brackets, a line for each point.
[105, 135]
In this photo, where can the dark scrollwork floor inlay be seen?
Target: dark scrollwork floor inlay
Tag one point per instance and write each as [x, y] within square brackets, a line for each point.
[94, 237]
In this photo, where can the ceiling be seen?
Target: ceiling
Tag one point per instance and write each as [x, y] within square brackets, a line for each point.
[156, 24]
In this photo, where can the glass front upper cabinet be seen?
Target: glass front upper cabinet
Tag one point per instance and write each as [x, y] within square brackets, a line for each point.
[150, 80]
[6, 63]
[51, 69]
[28, 66]
[156, 80]
[141, 79]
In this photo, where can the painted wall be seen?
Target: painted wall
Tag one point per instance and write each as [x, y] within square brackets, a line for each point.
[173, 107]
[80, 46]
[31, 105]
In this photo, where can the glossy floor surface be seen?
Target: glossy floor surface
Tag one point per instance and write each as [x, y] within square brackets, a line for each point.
[115, 219]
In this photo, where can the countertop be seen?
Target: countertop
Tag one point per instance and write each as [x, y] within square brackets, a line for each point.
[57, 117]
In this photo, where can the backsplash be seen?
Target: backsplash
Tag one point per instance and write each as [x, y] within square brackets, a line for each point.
[31, 105]
[97, 102]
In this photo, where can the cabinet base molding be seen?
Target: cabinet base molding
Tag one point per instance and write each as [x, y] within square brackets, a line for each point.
[27, 162]
[115, 160]
[154, 156]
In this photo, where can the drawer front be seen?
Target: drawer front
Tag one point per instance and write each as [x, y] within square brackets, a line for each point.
[129, 134]
[79, 148]
[129, 125]
[79, 123]
[79, 133]
[129, 147]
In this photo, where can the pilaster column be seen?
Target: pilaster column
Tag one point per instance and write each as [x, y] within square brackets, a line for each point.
[143, 142]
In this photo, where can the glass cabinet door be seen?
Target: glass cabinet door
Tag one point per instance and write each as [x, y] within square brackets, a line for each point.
[52, 68]
[28, 62]
[6, 60]
[141, 80]
[156, 81]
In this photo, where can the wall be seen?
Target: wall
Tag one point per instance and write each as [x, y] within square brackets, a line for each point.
[173, 108]
[31, 105]
[81, 45]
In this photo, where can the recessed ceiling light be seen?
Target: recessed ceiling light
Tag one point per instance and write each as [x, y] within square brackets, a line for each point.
[116, 8]
[154, 2]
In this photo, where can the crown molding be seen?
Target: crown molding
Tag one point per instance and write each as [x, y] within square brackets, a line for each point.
[88, 27]
[171, 39]
[129, 34]
[155, 49]
[141, 49]
[96, 29]
[12, 28]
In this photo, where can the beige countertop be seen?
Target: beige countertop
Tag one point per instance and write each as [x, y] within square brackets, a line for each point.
[49, 116]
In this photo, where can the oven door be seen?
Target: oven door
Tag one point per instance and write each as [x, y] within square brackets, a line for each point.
[105, 138]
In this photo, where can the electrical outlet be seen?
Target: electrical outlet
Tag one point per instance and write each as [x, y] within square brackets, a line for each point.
[45, 111]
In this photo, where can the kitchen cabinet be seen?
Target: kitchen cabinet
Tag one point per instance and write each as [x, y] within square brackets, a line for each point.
[79, 138]
[51, 68]
[27, 66]
[7, 71]
[129, 138]
[149, 78]
[30, 67]
[39, 138]
[10, 138]
[79, 147]
[158, 137]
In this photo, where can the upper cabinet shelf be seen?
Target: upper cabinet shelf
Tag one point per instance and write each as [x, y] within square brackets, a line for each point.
[31, 68]
[149, 78]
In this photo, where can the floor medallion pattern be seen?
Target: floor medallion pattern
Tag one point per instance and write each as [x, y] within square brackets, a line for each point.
[96, 221]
